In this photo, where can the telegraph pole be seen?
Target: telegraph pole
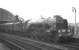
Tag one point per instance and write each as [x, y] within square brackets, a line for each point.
[74, 10]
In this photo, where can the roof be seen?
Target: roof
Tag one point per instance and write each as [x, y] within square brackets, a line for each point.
[6, 15]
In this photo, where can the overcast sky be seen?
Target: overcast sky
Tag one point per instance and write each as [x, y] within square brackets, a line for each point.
[47, 8]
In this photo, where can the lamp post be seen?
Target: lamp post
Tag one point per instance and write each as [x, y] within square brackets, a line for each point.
[74, 10]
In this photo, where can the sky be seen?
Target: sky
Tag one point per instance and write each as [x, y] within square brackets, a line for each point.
[33, 9]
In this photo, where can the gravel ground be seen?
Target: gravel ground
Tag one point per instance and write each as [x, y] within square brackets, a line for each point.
[3, 47]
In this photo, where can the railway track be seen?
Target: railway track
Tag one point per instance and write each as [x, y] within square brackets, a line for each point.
[72, 44]
[19, 44]
[9, 45]
[22, 42]
[23, 46]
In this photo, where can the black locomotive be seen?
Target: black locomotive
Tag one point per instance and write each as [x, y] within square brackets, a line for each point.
[60, 32]
[43, 31]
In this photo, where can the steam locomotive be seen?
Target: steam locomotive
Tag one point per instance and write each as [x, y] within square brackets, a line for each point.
[62, 30]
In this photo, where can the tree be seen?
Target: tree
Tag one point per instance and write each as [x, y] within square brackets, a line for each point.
[19, 19]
